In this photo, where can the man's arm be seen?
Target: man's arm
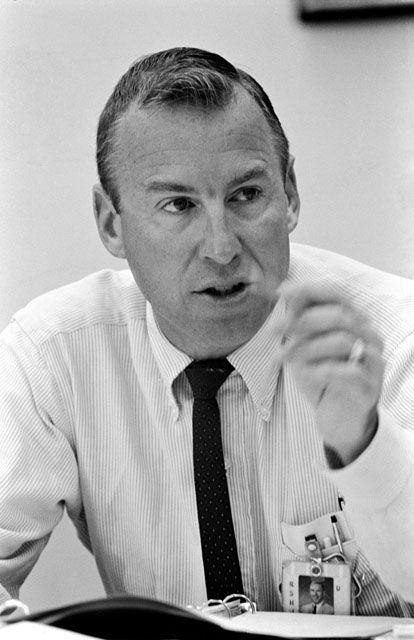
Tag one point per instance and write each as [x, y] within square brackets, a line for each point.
[379, 494]
[364, 411]
[38, 473]
[321, 329]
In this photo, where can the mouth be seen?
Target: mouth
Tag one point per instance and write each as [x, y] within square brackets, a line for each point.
[221, 292]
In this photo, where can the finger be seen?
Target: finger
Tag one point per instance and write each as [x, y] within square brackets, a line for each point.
[314, 308]
[321, 319]
[334, 347]
[342, 375]
[316, 321]
[299, 296]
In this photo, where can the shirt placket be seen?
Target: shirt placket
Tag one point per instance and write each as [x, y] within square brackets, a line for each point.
[234, 425]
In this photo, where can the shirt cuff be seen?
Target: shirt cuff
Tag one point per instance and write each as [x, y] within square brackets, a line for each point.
[382, 471]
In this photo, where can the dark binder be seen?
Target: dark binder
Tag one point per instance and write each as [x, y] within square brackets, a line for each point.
[128, 617]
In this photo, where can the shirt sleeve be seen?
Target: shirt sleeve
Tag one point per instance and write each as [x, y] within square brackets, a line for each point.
[38, 471]
[379, 485]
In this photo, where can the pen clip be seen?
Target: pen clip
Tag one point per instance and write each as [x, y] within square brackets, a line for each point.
[313, 548]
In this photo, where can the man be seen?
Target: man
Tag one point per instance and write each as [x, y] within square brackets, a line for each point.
[198, 192]
[318, 602]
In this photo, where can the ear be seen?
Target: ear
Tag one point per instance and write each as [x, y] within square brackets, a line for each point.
[108, 221]
[292, 195]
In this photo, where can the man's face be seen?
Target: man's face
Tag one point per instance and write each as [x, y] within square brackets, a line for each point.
[316, 592]
[205, 218]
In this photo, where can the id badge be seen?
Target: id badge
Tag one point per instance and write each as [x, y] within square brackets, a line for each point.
[317, 585]
[323, 588]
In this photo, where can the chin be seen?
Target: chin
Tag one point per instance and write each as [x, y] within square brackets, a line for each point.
[225, 337]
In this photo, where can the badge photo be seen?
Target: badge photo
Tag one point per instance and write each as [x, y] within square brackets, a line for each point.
[319, 588]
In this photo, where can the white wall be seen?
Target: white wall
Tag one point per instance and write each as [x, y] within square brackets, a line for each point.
[345, 93]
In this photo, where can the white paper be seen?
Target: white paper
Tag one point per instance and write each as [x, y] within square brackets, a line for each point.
[305, 625]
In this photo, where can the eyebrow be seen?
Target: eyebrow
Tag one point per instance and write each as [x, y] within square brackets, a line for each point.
[165, 185]
[162, 185]
[252, 174]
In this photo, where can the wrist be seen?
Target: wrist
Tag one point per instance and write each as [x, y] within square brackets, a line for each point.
[339, 456]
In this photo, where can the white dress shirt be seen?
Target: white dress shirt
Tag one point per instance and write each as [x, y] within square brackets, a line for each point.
[95, 416]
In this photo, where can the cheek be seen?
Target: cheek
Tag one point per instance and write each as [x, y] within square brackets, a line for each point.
[273, 222]
[153, 262]
[271, 241]
[142, 245]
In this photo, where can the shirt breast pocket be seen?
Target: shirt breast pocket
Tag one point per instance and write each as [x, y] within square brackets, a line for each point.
[370, 595]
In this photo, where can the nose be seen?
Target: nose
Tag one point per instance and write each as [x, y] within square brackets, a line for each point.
[219, 243]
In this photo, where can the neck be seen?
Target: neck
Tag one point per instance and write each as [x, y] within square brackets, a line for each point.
[201, 346]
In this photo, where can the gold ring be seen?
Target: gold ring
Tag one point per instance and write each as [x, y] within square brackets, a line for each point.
[357, 352]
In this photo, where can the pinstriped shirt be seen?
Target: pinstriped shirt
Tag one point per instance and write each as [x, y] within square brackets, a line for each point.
[95, 417]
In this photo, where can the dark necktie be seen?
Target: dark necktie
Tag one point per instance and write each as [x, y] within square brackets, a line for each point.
[314, 608]
[221, 564]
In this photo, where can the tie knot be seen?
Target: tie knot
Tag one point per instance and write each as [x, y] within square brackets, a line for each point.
[207, 376]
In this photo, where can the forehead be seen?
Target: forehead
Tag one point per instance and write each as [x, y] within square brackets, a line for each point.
[185, 139]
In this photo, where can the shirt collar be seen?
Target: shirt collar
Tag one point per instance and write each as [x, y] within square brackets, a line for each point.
[256, 361]
[170, 360]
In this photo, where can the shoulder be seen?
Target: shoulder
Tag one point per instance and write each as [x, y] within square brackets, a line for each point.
[104, 298]
[311, 262]
[386, 299]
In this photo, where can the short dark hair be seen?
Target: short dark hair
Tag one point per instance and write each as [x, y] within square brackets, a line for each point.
[183, 76]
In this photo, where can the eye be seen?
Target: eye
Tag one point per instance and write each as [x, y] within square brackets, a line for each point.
[178, 205]
[247, 194]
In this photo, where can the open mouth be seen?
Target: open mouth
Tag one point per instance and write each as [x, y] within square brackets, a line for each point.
[224, 292]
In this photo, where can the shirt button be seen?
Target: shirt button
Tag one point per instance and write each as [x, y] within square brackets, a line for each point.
[265, 414]
[227, 464]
